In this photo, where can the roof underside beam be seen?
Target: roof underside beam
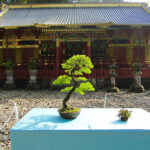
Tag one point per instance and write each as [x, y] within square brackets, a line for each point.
[78, 27]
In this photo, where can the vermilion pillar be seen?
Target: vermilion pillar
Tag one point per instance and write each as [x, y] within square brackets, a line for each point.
[2, 33]
[139, 42]
[7, 53]
[89, 47]
[116, 48]
[19, 55]
[57, 55]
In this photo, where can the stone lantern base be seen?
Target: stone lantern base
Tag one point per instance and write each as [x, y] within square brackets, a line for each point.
[33, 85]
[113, 90]
[136, 88]
[9, 85]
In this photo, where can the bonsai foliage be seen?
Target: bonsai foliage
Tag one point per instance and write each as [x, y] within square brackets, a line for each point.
[124, 114]
[75, 67]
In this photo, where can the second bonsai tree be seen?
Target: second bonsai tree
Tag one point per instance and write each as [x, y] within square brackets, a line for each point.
[124, 114]
[75, 68]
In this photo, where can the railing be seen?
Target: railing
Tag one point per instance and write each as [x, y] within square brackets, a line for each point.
[145, 72]
[129, 73]
[48, 61]
[21, 73]
[46, 73]
[125, 73]
[99, 73]
[2, 74]
[51, 74]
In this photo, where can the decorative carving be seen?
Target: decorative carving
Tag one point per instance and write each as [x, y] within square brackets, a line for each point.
[73, 48]
[18, 33]
[98, 50]
[73, 35]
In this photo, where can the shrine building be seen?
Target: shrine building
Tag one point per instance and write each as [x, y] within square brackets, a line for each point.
[52, 33]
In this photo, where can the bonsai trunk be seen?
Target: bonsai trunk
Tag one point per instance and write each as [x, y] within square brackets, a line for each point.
[65, 106]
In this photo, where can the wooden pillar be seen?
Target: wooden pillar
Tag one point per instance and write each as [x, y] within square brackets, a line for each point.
[1, 50]
[36, 33]
[19, 56]
[129, 55]
[7, 53]
[111, 53]
[57, 55]
[129, 33]
[116, 49]
[139, 43]
[1, 55]
[89, 47]
[147, 55]
[35, 53]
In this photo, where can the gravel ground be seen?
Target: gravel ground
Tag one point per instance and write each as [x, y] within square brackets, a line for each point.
[26, 100]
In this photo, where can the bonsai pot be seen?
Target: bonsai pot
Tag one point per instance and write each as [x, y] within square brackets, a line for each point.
[69, 114]
[124, 119]
[124, 114]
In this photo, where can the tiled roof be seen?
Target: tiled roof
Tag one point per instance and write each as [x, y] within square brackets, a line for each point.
[75, 16]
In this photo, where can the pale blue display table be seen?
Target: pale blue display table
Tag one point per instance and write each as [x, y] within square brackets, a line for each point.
[94, 129]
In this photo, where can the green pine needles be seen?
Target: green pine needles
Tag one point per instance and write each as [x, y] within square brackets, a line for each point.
[75, 67]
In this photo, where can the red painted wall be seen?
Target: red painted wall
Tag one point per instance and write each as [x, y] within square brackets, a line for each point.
[122, 56]
[11, 55]
[142, 55]
[27, 53]
[135, 54]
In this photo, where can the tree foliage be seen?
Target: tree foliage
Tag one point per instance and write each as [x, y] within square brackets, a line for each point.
[75, 67]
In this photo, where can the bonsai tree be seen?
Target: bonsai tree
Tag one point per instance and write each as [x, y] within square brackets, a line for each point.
[75, 68]
[124, 114]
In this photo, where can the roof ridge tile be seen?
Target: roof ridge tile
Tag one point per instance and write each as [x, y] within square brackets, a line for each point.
[77, 5]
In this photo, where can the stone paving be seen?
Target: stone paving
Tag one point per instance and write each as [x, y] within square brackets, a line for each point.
[26, 100]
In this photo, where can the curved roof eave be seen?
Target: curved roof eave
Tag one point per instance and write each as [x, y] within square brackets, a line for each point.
[106, 25]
